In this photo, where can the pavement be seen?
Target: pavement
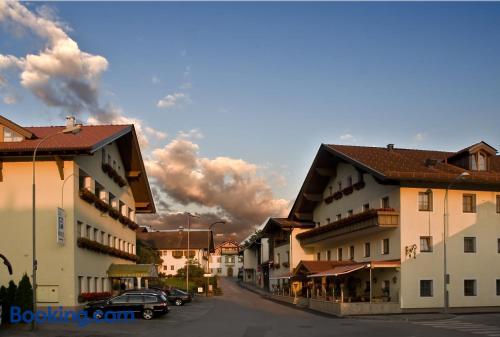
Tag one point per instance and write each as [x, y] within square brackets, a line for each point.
[242, 313]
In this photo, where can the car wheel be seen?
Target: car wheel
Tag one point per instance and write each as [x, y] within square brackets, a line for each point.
[147, 314]
[98, 314]
[178, 302]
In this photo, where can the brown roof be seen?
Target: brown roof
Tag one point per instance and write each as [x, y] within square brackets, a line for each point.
[410, 165]
[287, 223]
[89, 139]
[312, 267]
[177, 239]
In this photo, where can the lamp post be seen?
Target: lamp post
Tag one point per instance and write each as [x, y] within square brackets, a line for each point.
[208, 252]
[69, 129]
[189, 216]
[445, 234]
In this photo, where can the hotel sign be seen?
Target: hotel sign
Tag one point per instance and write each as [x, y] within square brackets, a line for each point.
[61, 222]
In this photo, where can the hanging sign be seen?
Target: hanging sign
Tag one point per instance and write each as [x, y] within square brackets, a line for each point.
[61, 221]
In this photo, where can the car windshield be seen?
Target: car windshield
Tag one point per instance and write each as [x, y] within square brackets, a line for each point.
[163, 298]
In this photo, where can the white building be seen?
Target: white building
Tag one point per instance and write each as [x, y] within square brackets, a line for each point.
[225, 261]
[173, 247]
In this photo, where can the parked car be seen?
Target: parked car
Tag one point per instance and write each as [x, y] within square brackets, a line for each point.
[178, 297]
[146, 303]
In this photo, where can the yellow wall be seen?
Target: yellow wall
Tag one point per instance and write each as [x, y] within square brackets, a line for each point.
[482, 265]
[59, 266]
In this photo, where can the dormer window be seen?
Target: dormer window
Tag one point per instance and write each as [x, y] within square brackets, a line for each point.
[478, 161]
[10, 136]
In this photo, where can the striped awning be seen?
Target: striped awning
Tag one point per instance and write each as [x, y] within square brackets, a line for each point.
[132, 270]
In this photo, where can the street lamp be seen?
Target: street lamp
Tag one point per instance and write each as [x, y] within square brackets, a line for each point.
[208, 251]
[189, 216]
[445, 233]
[69, 129]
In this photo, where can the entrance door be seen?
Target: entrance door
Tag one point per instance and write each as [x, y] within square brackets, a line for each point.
[230, 271]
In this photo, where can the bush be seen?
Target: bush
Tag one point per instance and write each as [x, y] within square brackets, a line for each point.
[8, 301]
[3, 300]
[24, 294]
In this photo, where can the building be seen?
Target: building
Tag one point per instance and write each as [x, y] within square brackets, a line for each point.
[380, 216]
[89, 188]
[172, 246]
[225, 261]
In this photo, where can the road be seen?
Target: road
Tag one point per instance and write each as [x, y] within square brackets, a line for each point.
[240, 313]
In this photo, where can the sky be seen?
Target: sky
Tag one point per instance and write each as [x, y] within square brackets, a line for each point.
[232, 100]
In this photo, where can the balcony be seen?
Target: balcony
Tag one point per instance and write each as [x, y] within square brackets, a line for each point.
[363, 223]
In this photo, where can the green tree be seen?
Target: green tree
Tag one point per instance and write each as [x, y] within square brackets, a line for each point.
[24, 294]
[10, 297]
[146, 254]
[3, 297]
[194, 271]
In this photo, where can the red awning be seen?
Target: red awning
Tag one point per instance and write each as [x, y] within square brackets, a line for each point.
[341, 270]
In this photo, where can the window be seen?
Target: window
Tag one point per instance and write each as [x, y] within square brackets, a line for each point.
[339, 254]
[110, 241]
[11, 136]
[89, 281]
[426, 244]
[425, 201]
[318, 256]
[339, 184]
[171, 267]
[469, 203]
[218, 260]
[366, 207]
[96, 235]
[470, 288]
[426, 289]
[385, 202]
[473, 162]
[498, 287]
[338, 217]
[349, 181]
[367, 249]
[113, 201]
[481, 162]
[498, 203]
[165, 267]
[88, 231]
[498, 246]
[385, 246]
[84, 180]
[329, 255]
[351, 252]
[469, 245]
[219, 270]
[79, 228]
[80, 284]
[350, 212]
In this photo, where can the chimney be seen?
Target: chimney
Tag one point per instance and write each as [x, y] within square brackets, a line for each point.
[390, 147]
[70, 121]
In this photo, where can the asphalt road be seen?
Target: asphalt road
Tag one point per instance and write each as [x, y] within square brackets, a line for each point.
[240, 313]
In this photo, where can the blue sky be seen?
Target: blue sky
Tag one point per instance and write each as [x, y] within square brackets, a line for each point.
[271, 81]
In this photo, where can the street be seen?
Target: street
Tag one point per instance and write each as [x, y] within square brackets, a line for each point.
[242, 313]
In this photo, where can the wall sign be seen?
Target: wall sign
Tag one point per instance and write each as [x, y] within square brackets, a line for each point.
[61, 222]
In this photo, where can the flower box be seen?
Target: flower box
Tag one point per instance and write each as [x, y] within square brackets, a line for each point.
[277, 266]
[101, 205]
[87, 196]
[359, 185]
[103, 249]
[286, 264]
[329, 199]
[133, 225]
[347, 190]
[106, 168]
[113, 212]
[337, 195]
[123, 219]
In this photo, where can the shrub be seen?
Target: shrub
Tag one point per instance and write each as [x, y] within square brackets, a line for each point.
[3, 299]
[8, 301]
[88, 297]
[24, 294]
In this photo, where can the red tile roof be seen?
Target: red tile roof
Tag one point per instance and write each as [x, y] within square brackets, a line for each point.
[177, 239]
[89, 139]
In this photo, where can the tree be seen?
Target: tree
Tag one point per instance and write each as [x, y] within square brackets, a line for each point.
[3, 300]
[146, 254]
[194, 271]
[9, 300]
[24, 294]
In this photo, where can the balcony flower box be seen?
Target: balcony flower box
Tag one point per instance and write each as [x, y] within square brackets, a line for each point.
[88, 297]
[133, 225]
[87, 196]
[337, 195]
[277, 266]
[113, 212]
[329, 199]
[106, 168]
[104, 249]
[285, 264]
[101, 205]
[347, 190]
[123, 220]
[359, 185]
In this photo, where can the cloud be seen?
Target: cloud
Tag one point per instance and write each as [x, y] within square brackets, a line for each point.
[191, 134]
[348, 138]
[155, 80]
[170, 101]
[10, 99]
[419, 137]
[232, 187]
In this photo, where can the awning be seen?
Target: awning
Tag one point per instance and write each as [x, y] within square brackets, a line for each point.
[341, 270]
[132, 270]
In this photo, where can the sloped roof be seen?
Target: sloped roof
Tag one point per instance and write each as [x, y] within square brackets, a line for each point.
[178, 239]
[287, 223]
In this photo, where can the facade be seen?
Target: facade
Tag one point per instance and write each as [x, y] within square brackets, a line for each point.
[380, 215]
[96, 181]
[172, 246]
[225, 261]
